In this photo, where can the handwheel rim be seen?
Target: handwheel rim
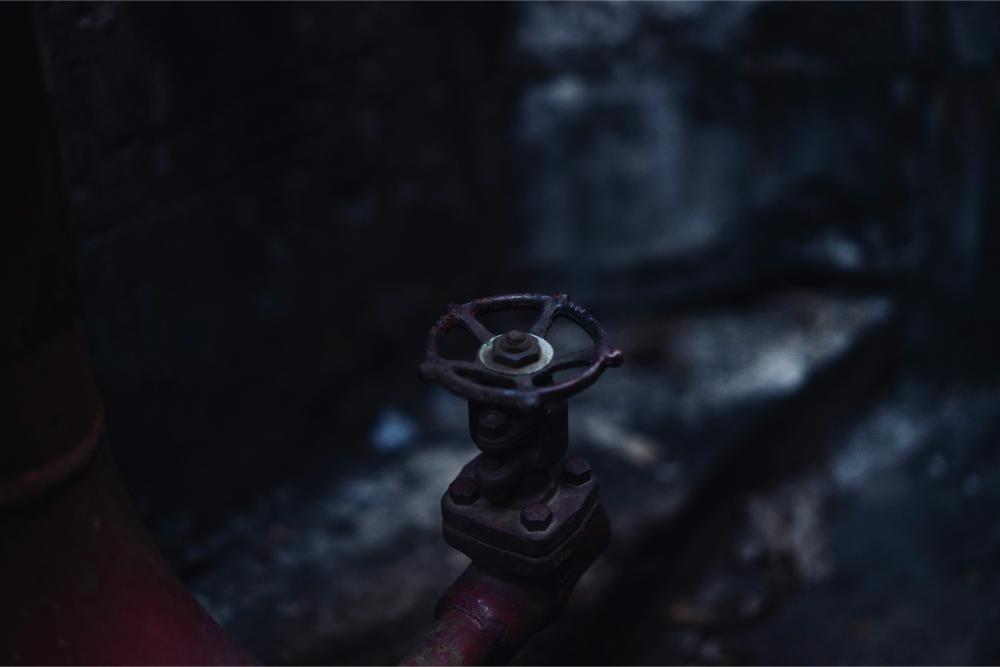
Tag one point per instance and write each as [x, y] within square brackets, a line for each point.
[517, 389]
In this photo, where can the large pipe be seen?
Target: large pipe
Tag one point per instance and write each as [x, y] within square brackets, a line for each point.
[81, 582]
[483, 619]
[486, 616]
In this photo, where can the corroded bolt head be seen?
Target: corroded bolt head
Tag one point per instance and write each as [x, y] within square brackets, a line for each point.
[492, 423]
[536, 517]
[514, 341]
[516, 349]
[463, 491]
[576, 471]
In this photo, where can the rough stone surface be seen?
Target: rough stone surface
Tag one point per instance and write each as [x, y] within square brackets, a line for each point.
[309, 578]
[882, 555]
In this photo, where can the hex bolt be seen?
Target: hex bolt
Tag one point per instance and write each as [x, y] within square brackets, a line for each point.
[576, 471]
[492, 424]
[516, 349]
[536, 517]
[463, 491]
[514, 341]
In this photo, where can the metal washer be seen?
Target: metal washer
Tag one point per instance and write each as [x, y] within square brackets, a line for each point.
[545, 357]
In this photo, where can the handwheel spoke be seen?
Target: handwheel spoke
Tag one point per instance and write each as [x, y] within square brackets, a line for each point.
[568, 360]
[522, 387]
[544, 320]
[474, 326]
[465, 367]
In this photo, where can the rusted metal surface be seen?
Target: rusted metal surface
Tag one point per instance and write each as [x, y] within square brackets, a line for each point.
[483, 619]
[530, 525]
[56, 417]
[84, 584]
[487, 615]
[513, 508]
[530, 540]
[474, 380]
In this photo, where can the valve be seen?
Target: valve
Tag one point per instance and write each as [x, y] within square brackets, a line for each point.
[521, 506]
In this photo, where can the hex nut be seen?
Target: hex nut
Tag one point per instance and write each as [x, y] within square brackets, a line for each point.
[576, 471]
[515, 341]
[516, 349]
[463, 491]
[536, 517]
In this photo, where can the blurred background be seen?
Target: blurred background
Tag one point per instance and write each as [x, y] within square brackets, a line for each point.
[783, 213]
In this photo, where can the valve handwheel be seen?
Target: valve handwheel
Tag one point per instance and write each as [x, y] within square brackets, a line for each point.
[519, 507]
[517, 368]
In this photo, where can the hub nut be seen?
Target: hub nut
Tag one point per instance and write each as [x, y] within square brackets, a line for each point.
[463, 491]
[516, 349]
[536, 517]
[576, 471]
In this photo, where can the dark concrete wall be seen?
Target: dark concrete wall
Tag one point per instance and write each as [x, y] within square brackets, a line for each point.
[274, 201]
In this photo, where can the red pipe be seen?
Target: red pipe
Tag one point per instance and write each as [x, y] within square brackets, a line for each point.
[81, 582]
[485, 617]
